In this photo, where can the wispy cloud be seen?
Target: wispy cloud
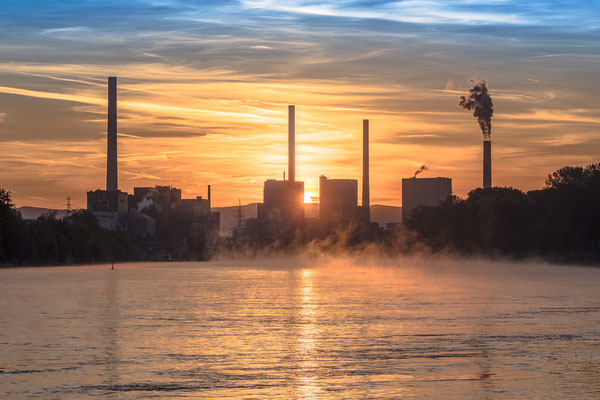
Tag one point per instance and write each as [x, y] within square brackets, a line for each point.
[203, 87]
[424, 12]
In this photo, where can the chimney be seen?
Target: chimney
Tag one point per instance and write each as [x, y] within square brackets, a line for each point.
[209, 204]
[292, 143]
[111, 135]
[366, 209]
[487, 164]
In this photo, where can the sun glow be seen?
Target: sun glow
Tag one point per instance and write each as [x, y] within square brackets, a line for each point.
[308, 197]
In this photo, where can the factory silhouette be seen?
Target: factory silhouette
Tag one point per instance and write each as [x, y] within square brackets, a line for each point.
[166, 226]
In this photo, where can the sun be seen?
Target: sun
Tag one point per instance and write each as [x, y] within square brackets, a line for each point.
[307, 197]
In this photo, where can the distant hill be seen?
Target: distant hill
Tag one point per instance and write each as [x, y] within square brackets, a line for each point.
[35, 212]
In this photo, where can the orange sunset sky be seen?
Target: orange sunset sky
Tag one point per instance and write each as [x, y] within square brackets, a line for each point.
[204, 89]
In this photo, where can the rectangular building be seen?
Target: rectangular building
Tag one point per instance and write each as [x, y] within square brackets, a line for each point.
[106, 205]
[338, 199]
[283, 202]
[424, 191]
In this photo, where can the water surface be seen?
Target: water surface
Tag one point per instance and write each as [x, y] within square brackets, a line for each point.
[300, 329]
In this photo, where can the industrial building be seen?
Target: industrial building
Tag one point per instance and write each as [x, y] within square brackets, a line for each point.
[283, 201]
[156, 217]
[110, 206]
[338, 199]
[424, 191]
[176, 218]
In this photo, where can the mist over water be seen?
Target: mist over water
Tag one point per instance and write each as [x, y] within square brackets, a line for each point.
[301, 328]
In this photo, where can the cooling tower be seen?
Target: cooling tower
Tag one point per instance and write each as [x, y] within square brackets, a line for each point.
[111, 135]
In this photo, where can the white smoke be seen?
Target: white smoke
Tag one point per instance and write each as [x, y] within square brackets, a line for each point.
[142, 205]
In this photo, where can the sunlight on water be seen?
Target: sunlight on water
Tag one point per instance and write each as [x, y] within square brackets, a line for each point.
[301, 329]
[307, 341]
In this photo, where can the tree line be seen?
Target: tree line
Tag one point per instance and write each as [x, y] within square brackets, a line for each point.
[47, 240]
[559, 223]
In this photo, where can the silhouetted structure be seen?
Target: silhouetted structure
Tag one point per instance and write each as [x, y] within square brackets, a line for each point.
[424, 191]
[366, 201]
[110, 206]
[487, 164]
[140, 226]
[338, 199]
[291, 143]
[283, 201]
[111, 135]
[186, 221]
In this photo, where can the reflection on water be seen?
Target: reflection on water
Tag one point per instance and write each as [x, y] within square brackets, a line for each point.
[310, 331]
[109, 329]
[307, 339]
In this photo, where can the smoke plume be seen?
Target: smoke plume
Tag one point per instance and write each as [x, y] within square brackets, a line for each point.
[480, 102]
[145, 203]
[421, 169]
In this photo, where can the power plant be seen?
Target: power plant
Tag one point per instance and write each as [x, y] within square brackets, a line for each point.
[159, 218]
[110, 205]
[162, 223]
[283, 201]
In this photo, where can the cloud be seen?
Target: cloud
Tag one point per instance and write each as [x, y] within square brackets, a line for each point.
[428, 12]
[203, 87]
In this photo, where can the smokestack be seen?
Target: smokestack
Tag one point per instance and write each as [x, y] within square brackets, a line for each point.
[292, 143]
[209, 204]
[487, 164]
[111, 135]
[366, 208]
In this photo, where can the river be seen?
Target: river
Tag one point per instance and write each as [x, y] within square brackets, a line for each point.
[321, 328]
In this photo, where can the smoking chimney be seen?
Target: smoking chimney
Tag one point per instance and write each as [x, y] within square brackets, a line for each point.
[111, 135]
[366, 208]
[209, 203]
[487, 164]
[292, 143]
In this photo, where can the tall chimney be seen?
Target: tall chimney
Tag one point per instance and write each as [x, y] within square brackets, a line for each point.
[366, 208]
[292, 143]
[111, 135]
[209, 203]
[487, 164]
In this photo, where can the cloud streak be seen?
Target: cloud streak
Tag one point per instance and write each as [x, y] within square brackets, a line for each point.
[203, 87]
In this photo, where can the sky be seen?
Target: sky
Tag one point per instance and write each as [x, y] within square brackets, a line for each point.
[204, 88]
